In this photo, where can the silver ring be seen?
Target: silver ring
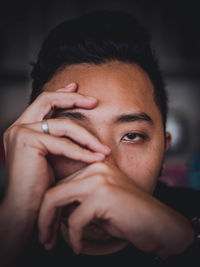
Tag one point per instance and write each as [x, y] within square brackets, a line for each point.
[45, 127]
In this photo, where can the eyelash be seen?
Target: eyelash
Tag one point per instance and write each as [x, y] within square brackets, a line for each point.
[140, 136]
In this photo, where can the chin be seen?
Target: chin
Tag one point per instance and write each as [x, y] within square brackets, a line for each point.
[96, 241]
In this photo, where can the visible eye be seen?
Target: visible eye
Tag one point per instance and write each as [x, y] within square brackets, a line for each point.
[133, 137]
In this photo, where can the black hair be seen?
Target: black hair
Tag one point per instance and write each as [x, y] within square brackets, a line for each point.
[97, 38]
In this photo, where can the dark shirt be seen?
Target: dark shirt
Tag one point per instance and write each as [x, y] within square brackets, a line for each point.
[186, 201]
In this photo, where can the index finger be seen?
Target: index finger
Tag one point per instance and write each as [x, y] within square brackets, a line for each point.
[47, 101]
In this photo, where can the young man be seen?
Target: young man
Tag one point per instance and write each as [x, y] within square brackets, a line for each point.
[84, 158]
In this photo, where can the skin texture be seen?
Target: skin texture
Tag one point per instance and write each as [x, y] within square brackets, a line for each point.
[102, 178]
[120, 92]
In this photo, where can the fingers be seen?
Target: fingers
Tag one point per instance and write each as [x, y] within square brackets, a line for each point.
[30, 140]
[51, 242]
[82, 216]
[79, 134]
[71, 87]
[60, 196]
[61, 146]
[62, 98]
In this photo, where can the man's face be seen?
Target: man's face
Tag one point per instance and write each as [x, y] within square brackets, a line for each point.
[126, 119]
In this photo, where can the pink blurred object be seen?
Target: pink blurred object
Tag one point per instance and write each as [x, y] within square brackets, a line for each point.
[176, 174]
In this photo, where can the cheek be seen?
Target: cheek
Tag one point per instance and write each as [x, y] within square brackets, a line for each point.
[143, 168]
[64, 167]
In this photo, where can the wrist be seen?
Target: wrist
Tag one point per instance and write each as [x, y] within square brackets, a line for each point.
[180, 238]
[22, 202]
[12, 213]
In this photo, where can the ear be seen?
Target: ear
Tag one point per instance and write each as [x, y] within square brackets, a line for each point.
[168, 140]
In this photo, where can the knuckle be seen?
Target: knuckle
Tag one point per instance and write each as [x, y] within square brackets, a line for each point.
[10, 132]
[101, 179]
[100, 166]
[44, 98]
[44, 94]
[105, 190]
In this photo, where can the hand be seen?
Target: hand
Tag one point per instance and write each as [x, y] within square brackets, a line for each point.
[26, 146]
[126, 212]
[29, 173]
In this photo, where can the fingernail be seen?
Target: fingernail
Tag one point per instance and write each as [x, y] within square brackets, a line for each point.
[70, 86]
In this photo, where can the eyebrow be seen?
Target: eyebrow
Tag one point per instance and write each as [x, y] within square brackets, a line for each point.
[143, 117]
[123, 118]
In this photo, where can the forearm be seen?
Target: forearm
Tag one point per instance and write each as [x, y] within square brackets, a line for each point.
[16, 228]
[177, 236]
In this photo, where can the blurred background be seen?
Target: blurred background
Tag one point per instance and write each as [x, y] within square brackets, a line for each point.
[174, 26]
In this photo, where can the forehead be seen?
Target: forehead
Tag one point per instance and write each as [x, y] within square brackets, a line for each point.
[116, 85]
